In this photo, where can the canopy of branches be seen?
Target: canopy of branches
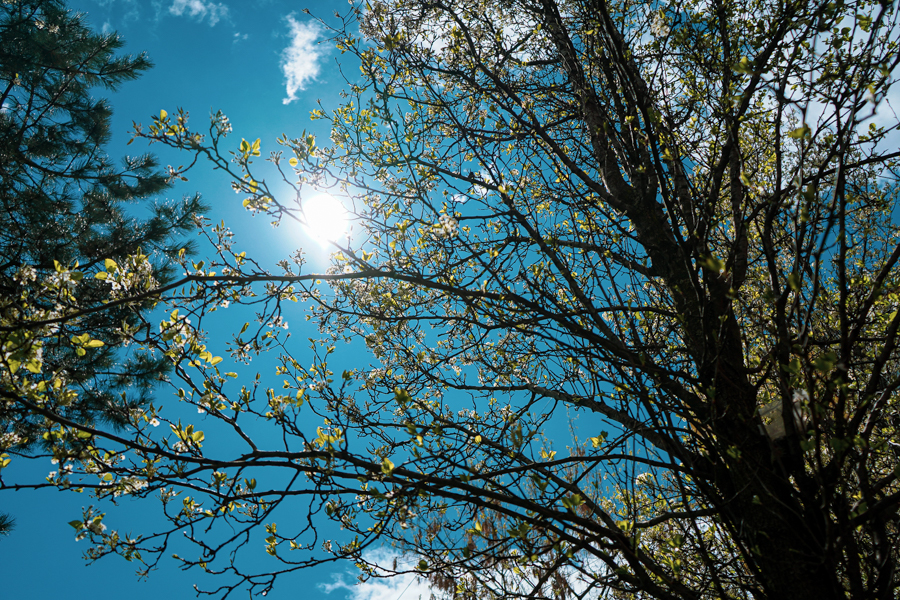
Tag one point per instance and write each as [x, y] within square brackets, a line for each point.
[674, 225]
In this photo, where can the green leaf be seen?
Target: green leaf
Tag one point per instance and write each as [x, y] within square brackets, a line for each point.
[572, 502]
[401, 396]
[714, 264]
[597, 441]
[800, 132]
[865, 22]
[387, 467]
[825, 363]
[743, 66]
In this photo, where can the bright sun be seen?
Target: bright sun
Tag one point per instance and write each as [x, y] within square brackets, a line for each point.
[326, 218]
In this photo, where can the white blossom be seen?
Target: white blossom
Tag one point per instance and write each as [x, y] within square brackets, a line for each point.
[278, 322]
[96, 526]
[178, 328]
[26, 274]
[644, 479]
[62, 279]
[446, 227]
[659, 27]
[130, 485]
[8, 440]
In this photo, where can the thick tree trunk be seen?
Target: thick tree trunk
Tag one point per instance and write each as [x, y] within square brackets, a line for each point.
[782, 536]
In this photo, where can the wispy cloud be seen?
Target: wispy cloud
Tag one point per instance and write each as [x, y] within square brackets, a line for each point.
[400, 587]
[300, 60]
[212, 12]
[116, 13]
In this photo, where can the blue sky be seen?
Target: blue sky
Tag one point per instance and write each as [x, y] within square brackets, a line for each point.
[265, 64]
[260, 62]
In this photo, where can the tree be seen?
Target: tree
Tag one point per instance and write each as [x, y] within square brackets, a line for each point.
[66, 213]
[7, 523]
[678, 220]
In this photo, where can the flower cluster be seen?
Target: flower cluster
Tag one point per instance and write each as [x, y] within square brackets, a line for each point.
[130, 485]
[8, 440]
[94, 526]
[659, 27]
[134, 275]
[64, 470]
[446, 227]
[278, 322]
[210, 401]
[25, 275]
[221, 123]
[177, 329]
[40, 24]
[645, 479]
[63, 279]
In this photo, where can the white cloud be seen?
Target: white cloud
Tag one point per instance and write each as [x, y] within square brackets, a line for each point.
[408, 586]
[200, 9]
[300, 60]
[117, 11]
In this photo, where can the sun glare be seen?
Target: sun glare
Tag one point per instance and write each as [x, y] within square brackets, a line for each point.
[326, 218]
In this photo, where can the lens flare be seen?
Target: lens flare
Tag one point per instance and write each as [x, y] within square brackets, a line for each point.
[326, 218]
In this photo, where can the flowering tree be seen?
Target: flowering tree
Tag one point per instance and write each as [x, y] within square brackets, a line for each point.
[671, 224]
